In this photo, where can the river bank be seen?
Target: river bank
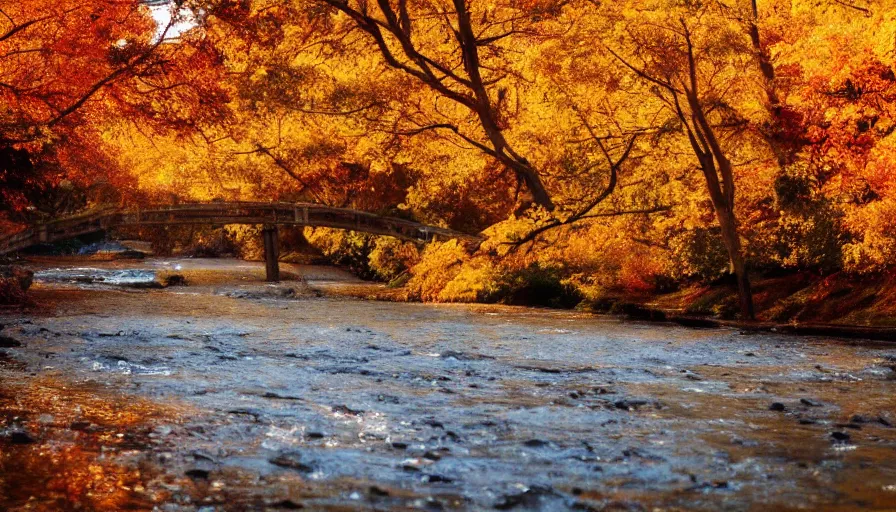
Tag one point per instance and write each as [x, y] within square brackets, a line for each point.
[802, 304]
[233, 394]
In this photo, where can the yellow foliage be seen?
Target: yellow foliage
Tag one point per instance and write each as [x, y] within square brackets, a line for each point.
[474, 283]
[438, 266]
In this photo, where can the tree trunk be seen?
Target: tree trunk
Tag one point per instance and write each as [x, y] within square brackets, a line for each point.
[536, 187]
[519, 165]
[738, 263]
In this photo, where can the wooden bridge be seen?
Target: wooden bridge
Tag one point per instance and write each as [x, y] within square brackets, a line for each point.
[269, 215]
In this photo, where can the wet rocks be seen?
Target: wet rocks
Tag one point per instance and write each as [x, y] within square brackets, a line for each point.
[415, 464]
[634, 404]
[434, 478]
[201, 455]
[110, 250]
[19, 437]
[714, 484]
[80, 425]
[20, 275]
[197, 473]
[777, 407]
[840, 437]
[14, 282]
[461, 356]
[530, 498]
[277, 396]
[433, 423]
[7, 342]
[291, 460]
[374, 490]
[264, 292]
[348, 411]
[255, 414]
[174, 280]
[287, 504]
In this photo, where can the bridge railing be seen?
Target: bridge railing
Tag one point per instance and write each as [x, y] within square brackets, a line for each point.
[222, 213]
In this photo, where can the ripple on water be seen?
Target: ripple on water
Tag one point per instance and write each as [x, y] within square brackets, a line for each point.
[96, 276]
[128, 368]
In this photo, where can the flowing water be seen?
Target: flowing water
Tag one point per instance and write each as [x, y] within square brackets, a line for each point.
[229, 394]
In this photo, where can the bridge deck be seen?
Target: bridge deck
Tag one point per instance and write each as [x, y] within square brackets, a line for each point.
[293, 214]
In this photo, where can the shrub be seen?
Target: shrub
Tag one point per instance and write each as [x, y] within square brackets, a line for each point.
[536, 285]
[438, 266]
[391, 257]
[474, 283]
[347, 249]
[700, 253]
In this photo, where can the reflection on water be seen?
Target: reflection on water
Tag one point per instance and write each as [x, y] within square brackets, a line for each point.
[67, 446]
[249, 400]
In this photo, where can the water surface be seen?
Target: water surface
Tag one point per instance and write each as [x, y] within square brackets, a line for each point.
[231, 394]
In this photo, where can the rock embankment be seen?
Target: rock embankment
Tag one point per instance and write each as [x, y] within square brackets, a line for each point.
[14, 282]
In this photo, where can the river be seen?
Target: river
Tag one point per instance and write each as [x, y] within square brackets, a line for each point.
[231, 394]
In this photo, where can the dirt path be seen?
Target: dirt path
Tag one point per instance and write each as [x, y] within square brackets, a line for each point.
[230, 394]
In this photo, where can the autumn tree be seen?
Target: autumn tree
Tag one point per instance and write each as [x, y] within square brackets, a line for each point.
[66, 69]
[692, 60]
[458, 54]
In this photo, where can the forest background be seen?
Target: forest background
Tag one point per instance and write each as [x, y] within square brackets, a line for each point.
[727, 157]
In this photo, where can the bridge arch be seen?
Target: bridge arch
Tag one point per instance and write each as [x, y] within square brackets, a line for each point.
[269, 215]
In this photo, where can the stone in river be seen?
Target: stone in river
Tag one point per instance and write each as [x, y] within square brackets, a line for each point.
[291, 460]
[21, 437]
[531, 498]
[197, 474]
[7, 342]
[377, 491]
[344, 409]
[840, 437]
[287, 504]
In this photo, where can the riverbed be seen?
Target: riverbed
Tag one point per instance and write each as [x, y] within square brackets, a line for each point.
[232, 394]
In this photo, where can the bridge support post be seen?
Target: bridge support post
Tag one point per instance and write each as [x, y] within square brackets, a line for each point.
[271, 253]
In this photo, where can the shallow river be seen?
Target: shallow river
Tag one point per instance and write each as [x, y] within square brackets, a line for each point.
[229, 394]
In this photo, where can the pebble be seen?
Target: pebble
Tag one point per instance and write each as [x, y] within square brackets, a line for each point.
[21, 437]
[344, 409]
[291, 460]
[198, 474]
[7, 342]
[840, 437]
[377, 491]
[287, 504]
